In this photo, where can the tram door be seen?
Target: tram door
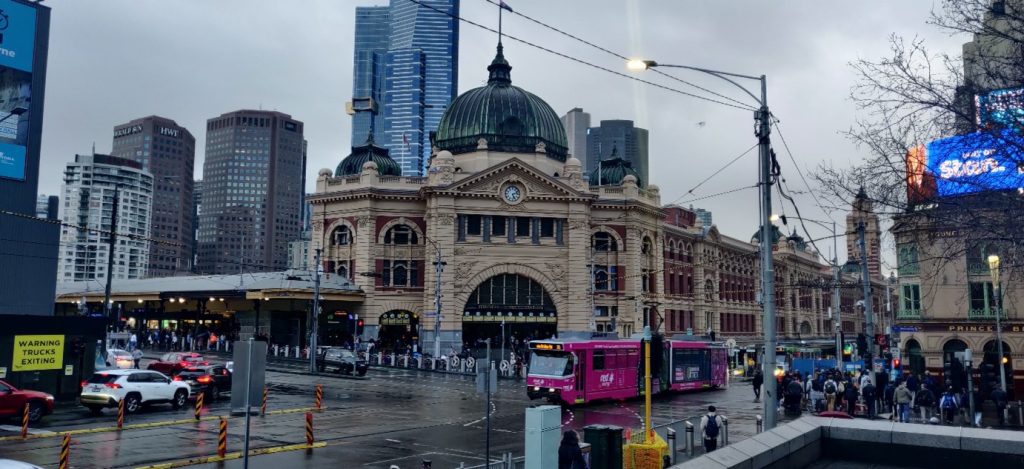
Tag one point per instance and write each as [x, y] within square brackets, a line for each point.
[581, 375]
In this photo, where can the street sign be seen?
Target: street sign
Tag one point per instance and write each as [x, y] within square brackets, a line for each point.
[904, 328]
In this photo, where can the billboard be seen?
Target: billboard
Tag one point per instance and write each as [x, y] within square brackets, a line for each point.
[977, 162]
[1000, 108]
[17, 41]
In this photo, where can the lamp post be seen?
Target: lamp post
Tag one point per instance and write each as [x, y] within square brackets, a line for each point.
[762, 122]
[993, 268]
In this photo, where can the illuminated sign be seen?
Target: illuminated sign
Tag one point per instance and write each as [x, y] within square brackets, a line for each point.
[1000, 108]
[17, 35]
[17, 41]
[547, 346]
[123, 131]
[977, 162]
[12, 161]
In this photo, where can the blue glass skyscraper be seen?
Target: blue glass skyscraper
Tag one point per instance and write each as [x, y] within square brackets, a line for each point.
[410, 82]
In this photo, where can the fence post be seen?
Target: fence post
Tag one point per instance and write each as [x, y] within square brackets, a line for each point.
[263, 406]
[222, 438]
[689, 439]
[120, 414]
[672, 444]
[759, 425]
[725, 431]
[309, 429]
[199, 406]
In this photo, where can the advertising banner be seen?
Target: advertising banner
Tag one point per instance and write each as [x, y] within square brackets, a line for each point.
[17, 41]
[38, 352]
[977, 162]
[1000, 108]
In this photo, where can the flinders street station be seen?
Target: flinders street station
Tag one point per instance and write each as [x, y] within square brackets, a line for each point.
[507, 237]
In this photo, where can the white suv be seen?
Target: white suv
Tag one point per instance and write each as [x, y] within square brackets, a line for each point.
[136, 387]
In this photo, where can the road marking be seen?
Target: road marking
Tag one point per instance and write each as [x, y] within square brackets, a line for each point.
[12, 428]
[235, 455]
[390, 440]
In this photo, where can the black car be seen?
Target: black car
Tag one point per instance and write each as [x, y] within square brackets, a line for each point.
[342, 360]
[211, 380]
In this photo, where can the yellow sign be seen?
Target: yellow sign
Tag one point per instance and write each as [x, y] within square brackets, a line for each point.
[38, 352]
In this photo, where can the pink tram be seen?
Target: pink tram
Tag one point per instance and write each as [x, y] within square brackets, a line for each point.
[581, 371]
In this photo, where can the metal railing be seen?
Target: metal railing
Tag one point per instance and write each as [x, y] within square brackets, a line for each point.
[908, 314]
[985, 313]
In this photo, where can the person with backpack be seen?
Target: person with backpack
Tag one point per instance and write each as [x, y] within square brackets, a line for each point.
[831, 390]
[868, 393]
[710, 427]
[570, 456]
[817, 394]
[888, 395]
[949, 405]
[850, 396]
[925, 399]
[998, 396]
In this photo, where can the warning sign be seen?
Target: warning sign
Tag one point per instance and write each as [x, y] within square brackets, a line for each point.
[38, 352]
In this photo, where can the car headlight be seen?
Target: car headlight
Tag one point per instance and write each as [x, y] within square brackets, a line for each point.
[551, 389]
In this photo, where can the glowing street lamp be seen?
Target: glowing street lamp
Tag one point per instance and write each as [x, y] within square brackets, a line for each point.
[993, 268]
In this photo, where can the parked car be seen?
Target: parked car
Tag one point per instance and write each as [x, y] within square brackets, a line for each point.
[135, 387]
[12, 464]
[342, 360]
[12, 403]
[172, 363]
[119, 358]
[211, 380]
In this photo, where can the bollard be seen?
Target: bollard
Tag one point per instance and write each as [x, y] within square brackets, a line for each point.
[222, 438]
[120, 414]
[689, 439]
[309, 429]
[672, 443]
[725, 431]
[319, 396]
[65, 451]
[199, 406]
[24, 421]
[759, 426]
[263, 406]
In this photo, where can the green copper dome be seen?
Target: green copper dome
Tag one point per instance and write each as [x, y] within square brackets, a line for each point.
[509, 118]
[352, 165]
[612, 171]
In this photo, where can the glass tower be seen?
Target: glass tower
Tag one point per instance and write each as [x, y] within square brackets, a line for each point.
[405, 87]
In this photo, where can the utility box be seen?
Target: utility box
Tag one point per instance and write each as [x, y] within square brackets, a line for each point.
[543, 435]
[605, 446]
[254, 372]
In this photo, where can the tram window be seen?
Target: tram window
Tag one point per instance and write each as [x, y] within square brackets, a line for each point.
[598, 359]
[613, 359]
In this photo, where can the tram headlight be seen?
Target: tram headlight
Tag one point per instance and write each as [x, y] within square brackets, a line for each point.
[551, 389]
[536, 388]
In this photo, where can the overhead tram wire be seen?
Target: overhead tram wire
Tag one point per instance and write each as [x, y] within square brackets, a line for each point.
[775, 122]
[620, 56]
[581, 61]
[716, 173]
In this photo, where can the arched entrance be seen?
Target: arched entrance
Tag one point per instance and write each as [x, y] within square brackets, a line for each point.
[915, 359]
[399, 330]
[953, 360]
[991, 359]
[512, 306]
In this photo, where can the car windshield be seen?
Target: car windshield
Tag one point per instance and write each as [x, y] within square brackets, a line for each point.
[193, 359]
[346, 353]
[551, 363]
[103, 378]
[121, 354]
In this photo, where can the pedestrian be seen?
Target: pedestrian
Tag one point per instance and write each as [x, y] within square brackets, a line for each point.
[133, 342]
[137, 357]
[999, 397]
[925, 400]
[758, 382]
[888, 396]
[977, 407]
[850, 396]
[949, 405]
[831, 390]
[903, 397]
[869, 394]
[569, 454]
[710, 427]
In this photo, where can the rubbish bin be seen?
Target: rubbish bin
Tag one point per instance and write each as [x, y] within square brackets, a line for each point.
[605, 446]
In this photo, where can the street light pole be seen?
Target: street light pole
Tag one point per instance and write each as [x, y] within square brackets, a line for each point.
[438, 268]
[993, 267]
[315, 314]
[111, 247]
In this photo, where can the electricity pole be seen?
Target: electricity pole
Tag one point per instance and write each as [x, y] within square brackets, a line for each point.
[835, 299]
[762, 118]
[438, 268]
[315, 314]
[111, 246]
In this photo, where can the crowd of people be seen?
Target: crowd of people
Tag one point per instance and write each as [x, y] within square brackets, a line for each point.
[869, 394]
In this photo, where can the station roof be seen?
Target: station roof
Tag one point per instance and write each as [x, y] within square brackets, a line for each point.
[289, 284]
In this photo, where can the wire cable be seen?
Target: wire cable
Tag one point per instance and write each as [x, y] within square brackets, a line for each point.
[716, 173]
[775, 122]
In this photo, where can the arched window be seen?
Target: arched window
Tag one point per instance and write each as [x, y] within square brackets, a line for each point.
[341, 236]
[400, 234]
[605, 278]
[342, 269]
[647, 248]
[604, 241]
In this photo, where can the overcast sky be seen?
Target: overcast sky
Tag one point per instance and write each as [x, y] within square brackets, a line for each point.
[114, 60]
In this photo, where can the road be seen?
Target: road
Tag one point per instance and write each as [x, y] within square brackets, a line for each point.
[393, 417]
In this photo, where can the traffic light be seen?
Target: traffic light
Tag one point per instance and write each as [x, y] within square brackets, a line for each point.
[359, 327]
[989, 377]
[862, 344]
[896, 364]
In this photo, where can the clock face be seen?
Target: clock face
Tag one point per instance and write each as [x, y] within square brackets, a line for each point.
[513, 194]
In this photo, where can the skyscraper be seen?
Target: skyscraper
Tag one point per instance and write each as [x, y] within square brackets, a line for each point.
[251, 192]
[576, 123]
[629, 142]
[91, 183]
[168, 152]
[47, 206]
[404, 88]
[371, 43]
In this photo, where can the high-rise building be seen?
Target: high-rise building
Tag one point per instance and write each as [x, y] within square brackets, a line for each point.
[47, 206]
[252, 191]
[576, 123]
[624, 139]
[371, 43]
[703, 215]
[862, 211]
[405, 88]
[91, 184]
[167, 151]
[197, 208]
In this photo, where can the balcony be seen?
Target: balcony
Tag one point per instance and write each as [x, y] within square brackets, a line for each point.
[908, 314]
[985, 313]
[978, 268]
[910, 269]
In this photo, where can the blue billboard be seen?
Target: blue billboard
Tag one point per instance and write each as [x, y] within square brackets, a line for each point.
[17, 41]
[978, 162]
[1000, 108]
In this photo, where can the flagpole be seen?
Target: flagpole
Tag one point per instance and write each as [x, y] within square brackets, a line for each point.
[500, 8]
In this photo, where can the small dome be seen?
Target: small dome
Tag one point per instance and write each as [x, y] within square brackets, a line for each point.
[368, 152]
[509, 118]
[573, 162]
[613, 171]
[776, 236]
[369, 165]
